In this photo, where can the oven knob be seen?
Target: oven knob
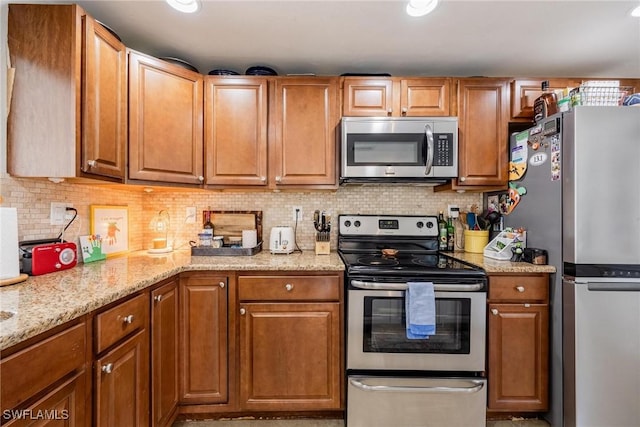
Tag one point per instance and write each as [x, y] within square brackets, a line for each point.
[429, 224]
[357, 223]
[420, 224]
[347, 223]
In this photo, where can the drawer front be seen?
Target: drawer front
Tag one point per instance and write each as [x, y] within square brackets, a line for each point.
[31, 370]
[289, 288]
[121, 320]
[519, 288]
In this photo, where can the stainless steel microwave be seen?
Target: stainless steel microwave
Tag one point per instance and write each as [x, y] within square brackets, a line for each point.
[399, 149]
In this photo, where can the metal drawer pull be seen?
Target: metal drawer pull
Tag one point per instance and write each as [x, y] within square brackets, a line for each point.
[243, 311]
[379, 286]
[221, 284]
[128, 319]
[473, 389]
[520, 288]
[288, 287]
[157, 298]
[494, 311]
[107, 368]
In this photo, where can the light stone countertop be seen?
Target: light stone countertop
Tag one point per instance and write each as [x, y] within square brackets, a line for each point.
[49, 300]
[44, 302]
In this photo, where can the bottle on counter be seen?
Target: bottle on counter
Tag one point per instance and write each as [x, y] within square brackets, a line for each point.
[546, 104]
[451, 235]
[442, 232]
[207, 227]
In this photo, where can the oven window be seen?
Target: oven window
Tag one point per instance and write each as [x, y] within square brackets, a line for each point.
[386, 149]
[385, 330]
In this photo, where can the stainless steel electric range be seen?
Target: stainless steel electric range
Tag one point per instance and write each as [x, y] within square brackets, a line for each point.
[393, 379]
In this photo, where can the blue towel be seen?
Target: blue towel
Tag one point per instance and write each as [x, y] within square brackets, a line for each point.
[420, 310]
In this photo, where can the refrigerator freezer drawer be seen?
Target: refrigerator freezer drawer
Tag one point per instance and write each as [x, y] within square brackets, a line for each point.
[412, 402]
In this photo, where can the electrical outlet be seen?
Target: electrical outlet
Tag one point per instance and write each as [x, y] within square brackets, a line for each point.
[59, 214]
[296, 213]
[451, 208]
[191, 215]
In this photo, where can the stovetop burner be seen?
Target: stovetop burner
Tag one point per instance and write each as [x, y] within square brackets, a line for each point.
[378, 260]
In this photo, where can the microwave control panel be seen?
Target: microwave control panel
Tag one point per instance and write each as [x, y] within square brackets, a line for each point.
[443, 150]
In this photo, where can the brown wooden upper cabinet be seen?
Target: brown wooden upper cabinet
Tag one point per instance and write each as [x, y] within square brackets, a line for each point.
[483, 114]
[78, 127]
[524, 92]
[235, 130]
[165, 121]
[304, 117]
[394, 96]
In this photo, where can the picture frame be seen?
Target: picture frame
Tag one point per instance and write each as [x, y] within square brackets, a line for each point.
[111, 225]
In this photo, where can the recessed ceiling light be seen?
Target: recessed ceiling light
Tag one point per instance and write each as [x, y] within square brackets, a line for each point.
[421, 7]
[636, 12]
[186, 6]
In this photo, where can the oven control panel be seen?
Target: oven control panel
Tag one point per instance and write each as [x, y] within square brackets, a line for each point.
[377, 225]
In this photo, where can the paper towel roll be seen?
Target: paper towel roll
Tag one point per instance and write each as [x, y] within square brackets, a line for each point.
[9, 260]
[249, 238]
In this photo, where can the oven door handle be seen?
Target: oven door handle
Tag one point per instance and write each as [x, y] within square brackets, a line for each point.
[437, 389]
[384, 286]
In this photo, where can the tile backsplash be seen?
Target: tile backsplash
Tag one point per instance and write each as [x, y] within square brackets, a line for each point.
[33, 197]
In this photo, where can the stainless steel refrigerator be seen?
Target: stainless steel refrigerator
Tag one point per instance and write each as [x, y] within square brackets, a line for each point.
[579, 198]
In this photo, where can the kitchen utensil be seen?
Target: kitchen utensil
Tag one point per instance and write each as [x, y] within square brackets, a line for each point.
[260, 71]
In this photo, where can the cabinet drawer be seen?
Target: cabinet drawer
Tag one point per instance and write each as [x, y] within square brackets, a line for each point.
[519, 288]
[289, 288]
[121, 320]
[31, 370]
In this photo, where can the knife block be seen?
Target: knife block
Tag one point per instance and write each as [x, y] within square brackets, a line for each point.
[323, 244]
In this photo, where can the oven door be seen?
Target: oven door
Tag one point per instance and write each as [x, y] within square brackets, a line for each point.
[376, 334]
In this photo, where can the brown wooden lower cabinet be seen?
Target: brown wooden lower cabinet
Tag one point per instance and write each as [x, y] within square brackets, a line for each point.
[518, 343]
[290, 342]
[204, 339]
[164, 353]
[121, 384]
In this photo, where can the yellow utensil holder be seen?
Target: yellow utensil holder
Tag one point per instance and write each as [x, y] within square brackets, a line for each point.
[475, 240]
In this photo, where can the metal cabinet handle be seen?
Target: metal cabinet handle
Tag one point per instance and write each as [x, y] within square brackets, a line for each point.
[494, 311]
[404, 111]
[243, 311]
[221, 284]
[278, 179]
[288, 287]
[92, 163]
[157, 298]
[389, 111]
[462, 178]
[128, 319]
[263, 178]
[520, 288]
[201, 178]
[107, 368]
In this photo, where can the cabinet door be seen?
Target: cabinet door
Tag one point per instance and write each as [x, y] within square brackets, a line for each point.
[204, 345]
[104, 102]
[304, 127]
[483, 112]
[518, 353]
[121, 384]
[368, 97]
[164, 353]
[524, 92]
[236, 131]
[289, 356]
[424, 97]
[165, 121]
[64, 405]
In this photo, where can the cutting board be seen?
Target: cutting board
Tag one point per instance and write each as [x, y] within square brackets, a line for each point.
[231, 223]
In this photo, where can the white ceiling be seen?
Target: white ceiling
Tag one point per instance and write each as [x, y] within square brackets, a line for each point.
[460, 38]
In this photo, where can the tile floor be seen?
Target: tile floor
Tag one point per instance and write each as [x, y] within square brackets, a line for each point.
[516, 422]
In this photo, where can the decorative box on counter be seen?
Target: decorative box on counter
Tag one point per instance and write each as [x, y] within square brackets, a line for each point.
[500, 247]
[225, 251]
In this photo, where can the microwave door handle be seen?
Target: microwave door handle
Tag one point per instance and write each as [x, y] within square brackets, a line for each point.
[430, 147]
